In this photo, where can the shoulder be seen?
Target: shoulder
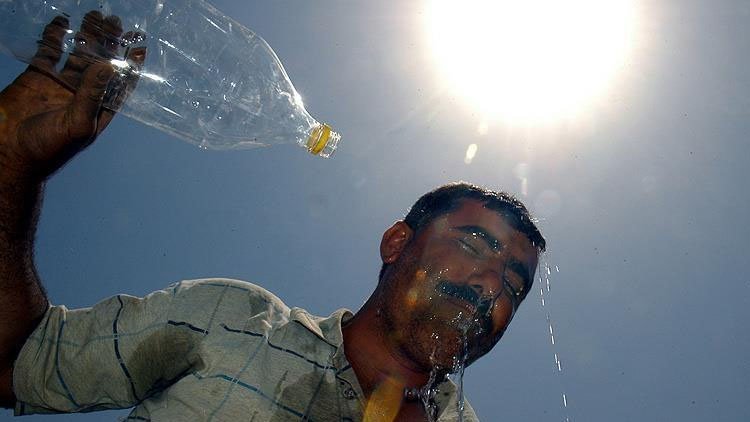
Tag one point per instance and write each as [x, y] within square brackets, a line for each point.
[224, 296]
[211, 287]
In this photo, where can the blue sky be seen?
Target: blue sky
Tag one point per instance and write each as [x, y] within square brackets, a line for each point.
[643, 207]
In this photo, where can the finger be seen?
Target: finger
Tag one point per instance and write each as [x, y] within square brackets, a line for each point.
[50, 46]
[135, 54]
[110, 35]
[126, 81]
[78, 60]
[85, 51]
[92, 22]
[102, 33]
[93, 32]
[83, 111]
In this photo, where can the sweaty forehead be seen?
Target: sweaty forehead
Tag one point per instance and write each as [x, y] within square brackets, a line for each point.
[474, 213]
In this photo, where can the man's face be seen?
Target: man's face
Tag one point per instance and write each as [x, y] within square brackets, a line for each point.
[454, 287]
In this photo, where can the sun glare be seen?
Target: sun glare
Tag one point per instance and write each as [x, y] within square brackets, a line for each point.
[532, 60]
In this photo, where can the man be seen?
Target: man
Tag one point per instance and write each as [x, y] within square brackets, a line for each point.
[454, 272]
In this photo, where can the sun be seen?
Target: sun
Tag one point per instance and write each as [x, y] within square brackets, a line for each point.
[529, 60]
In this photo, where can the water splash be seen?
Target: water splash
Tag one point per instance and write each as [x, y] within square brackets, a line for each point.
[483, 310]
[428, 392]
[427, 396]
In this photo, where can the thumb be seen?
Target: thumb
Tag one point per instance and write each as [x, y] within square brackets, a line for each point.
[84, 110]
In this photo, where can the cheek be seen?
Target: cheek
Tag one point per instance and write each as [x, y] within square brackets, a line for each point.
[449, 266]
[419, 290]
[501, 316]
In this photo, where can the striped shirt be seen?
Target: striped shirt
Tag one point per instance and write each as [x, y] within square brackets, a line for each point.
[200, 350]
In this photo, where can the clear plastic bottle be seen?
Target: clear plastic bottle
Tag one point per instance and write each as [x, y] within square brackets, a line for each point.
[206, 78]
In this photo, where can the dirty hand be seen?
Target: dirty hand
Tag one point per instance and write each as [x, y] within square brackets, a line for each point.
[48, 116]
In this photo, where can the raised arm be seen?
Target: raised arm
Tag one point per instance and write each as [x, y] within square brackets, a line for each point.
[46, 118]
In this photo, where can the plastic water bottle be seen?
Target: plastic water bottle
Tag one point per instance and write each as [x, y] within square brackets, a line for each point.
[206, 78]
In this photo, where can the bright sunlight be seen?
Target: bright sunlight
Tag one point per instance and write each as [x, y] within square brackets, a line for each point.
[529, 61]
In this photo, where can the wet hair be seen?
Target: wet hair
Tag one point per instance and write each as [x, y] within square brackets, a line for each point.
[450, 197]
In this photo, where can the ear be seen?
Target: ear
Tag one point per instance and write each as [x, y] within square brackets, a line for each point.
[394, 241]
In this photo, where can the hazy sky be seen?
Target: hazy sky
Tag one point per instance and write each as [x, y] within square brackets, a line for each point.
[643, 201]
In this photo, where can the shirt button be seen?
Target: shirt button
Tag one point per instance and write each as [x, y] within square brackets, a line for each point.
[349, 394]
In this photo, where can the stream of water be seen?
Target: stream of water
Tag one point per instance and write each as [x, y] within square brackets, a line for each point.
[544, 291]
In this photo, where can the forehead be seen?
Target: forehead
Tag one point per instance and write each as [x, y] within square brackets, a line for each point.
[473, 213]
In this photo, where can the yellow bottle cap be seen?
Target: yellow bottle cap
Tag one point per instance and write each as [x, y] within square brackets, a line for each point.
[322, 140]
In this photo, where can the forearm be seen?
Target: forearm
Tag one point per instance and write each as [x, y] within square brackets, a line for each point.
[22, 298]
[43, 124]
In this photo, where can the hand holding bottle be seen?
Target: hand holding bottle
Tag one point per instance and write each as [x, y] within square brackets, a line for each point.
[48, 116]
[209, 80]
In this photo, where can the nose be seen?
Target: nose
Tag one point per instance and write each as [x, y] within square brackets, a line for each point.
[487, 283]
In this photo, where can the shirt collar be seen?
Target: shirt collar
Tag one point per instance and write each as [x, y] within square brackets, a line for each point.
[327, 328]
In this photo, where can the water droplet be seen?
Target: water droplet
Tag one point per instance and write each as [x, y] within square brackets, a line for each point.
[545, 278]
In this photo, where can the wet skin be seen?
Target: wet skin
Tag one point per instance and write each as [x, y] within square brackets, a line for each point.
[458, 279]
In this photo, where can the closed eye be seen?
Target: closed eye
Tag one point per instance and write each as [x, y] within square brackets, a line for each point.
[467, 247]
[515, 295]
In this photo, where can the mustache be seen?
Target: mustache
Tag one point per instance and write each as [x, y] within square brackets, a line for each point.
[483, 304]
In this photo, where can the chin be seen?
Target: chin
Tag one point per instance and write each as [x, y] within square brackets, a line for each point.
[475, 347]
[441, 342]
[449, 350]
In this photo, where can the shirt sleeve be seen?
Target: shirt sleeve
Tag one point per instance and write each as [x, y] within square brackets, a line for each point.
[114, 354]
